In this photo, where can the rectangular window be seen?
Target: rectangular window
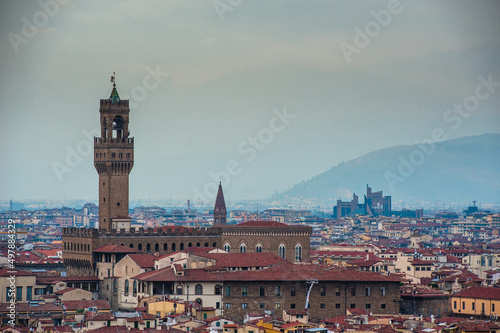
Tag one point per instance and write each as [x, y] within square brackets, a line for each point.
[408, 268]
[217, 323]
[382, 291]
[368, 306]
[262, 291]
[217, 305]
[29, 291]
[128, 155]
[323, 291]
[292, 306]
[353, 306]
[278, 290]
[367, 291]
[277, 305]
[120, 155]
[262, 305]
[292, 291]
[463, 305]
[454, 304]
[7, 296]
[473, 306]
[382, 306]
[244, 305]
[428, 268]
[493, 307]
[337, 305]
[482, 308]
[228, 291]
[353, 291]
[227, 305]
[244, 291]
[337, 291]
[417, 269]
[19, 294]
[322, 306]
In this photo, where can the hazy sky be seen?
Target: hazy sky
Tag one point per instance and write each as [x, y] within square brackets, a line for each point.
[274, 91]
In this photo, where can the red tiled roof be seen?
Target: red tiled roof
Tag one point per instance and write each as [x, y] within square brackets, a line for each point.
[144, 260]
[479, 292]
[293, 324]
[115, 249]
[74, 305]
[226, 260]
[9, 272]
[279, 272]
[475, 326]
[60, 292]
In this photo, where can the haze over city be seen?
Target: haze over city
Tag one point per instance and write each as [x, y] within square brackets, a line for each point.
[273, 93]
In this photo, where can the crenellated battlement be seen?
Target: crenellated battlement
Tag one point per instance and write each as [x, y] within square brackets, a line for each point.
[109, 142]
[106, 103]
[136, 232]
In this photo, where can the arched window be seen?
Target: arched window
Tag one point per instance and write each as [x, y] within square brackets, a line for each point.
[118, 127]
[198, 245]
[139, 247]
[126, 287]
[282, 251]
[298, 253]
[181, 247]
[157, 247]
[206, 244]
[165, 247]
[148, 247]
[227, 247]
[190, 244]
[258, 248]
[134, 290]
[131, 245]
[218, 289]
[115, 285]
[179, 290]
[198, 289]
[243, 248]
[174, 247]
[214, 244]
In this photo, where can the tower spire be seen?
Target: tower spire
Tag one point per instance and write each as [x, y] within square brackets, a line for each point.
[220, 212]
[114, 98]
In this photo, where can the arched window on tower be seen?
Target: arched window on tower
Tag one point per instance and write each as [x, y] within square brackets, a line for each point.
[148, 247]
[282, 251]
[118, 123]
[298, 253]
[227, 247]
[126, 287]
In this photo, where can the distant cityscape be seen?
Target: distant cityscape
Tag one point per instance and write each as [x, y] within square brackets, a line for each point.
[359, 266]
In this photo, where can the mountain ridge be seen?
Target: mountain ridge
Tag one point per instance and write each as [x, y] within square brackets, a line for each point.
[456, 171]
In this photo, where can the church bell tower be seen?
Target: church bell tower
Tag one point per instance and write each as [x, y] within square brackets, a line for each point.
[113, 160]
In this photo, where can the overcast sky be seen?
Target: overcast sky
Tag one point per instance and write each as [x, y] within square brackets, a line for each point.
[315, 82]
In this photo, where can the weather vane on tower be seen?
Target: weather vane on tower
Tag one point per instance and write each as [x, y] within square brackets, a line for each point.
[113, 79]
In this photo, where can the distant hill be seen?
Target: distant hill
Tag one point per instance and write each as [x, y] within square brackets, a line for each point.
[456, 171]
